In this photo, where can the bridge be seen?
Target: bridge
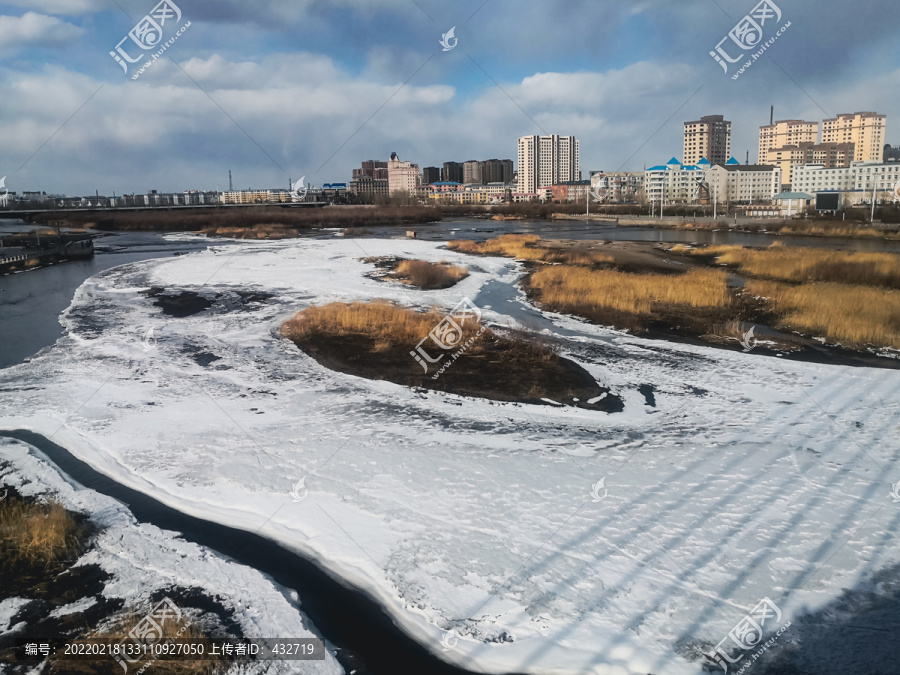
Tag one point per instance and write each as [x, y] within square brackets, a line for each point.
[28, 215]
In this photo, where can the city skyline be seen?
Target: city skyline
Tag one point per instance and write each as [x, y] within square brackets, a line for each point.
[275, 92]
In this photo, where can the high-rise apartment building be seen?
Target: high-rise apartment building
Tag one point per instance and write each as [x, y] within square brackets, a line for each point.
[497, 171]
[866, 130]
[546, 161]
[452, 172]
[784, 133]
[430, 174]
[471, 172]
[373, 169]
[707, 138]
[403, 177]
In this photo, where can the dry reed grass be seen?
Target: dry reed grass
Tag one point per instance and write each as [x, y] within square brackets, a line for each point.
[428, 275]
[578, 290]
[528, 247]
[171, 630]
[387, 324]
[36, 535]
[850, 314]
[786, 263]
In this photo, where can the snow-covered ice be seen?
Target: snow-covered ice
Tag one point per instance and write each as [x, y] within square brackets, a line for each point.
[729, 477]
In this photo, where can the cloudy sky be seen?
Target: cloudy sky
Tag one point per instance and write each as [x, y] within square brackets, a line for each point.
[278, 89]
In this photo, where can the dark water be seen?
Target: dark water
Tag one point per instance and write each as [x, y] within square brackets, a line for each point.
[366, 637]
[31, 301]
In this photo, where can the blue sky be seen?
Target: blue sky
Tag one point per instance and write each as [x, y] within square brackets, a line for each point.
[278, 89]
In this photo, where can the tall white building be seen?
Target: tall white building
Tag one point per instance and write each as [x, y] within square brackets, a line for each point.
[402, 176]
[546, 161]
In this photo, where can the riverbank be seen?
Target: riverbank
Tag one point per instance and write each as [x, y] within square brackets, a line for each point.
[778, 226]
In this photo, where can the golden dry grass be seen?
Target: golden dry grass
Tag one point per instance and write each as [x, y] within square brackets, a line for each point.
[430, 275]
[679, 249]
[34, 535]
[805, 265]
[578, 290]
[830, 230]
[850, 314]
[182, 629]
[528, 247]
[386, 323]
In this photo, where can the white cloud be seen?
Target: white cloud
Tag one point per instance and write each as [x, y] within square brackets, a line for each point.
[68, 7]
[37, 30]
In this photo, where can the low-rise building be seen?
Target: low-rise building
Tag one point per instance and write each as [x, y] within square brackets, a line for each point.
[617, 187]
[367, 187]
[571, 191]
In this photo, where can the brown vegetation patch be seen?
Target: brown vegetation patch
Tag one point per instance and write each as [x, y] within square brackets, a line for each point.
[36, 537]
[856, 315]
[118, 630]
[377, 340]
[784, 263]
[236, 219]
[529, 247]
[692, 301]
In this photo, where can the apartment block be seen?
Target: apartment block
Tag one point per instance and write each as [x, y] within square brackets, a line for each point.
[431, 174]
[858, 181]
[831, 155]
[366, 186]
[744, 183]
[547, 160]
[866, 130]
[497, 171]
[452, 172]
[784, 133]
[615, 187]
[471, 172]
[403, 177]
[707, 138]
[373, 169]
